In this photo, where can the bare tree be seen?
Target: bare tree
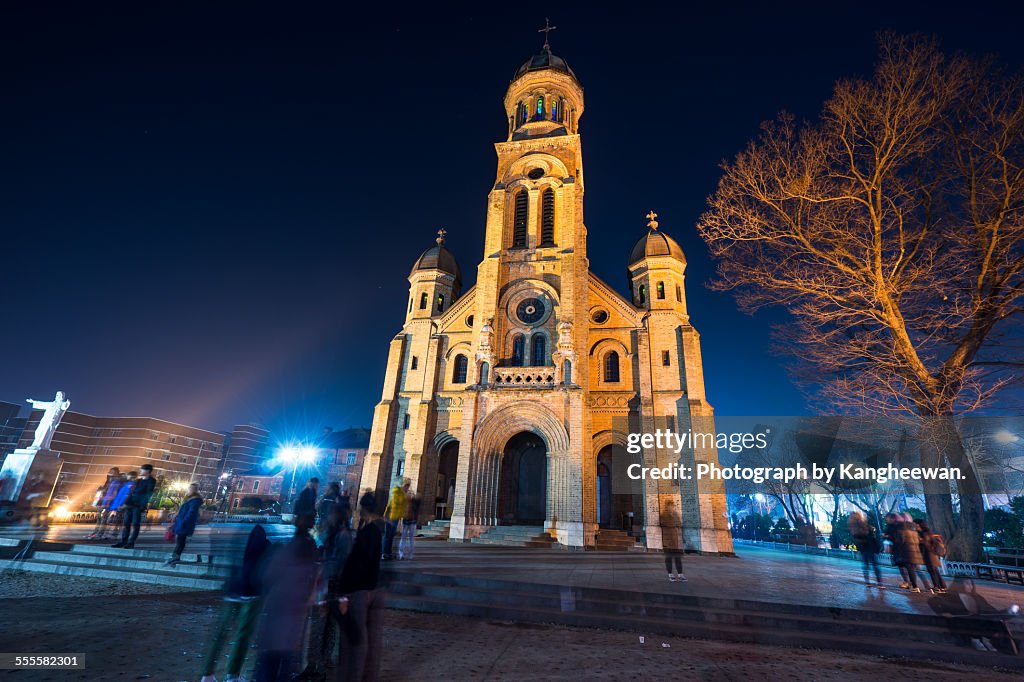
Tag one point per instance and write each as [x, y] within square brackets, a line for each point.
[891, 229]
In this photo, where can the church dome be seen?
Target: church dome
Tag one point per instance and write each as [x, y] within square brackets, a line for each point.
[544, 60]
[655, 243]
[437, 257]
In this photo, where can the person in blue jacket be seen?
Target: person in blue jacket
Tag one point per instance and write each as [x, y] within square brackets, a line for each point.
[185, 522]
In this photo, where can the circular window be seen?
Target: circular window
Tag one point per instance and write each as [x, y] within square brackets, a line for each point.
[599, 316]
[469, 321]
[535, 173]
[531, 310]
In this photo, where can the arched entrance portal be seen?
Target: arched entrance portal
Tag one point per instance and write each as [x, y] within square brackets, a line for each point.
[524, 481]
[620, 499]
[447, 468]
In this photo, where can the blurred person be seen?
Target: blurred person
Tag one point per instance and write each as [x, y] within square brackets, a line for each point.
[305, 503]
[910, 550]
[328, 502]
[672, 542]
[394, 512]
[106, 498]
[185, 522]
[867, 544]
[135, 506]
[359, 599]
[932, 550]
[326, 623]
[892, 525]
[117, 506]
[407, 543]
[288, 588]
[241, 608]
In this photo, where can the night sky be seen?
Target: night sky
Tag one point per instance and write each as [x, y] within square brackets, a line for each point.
[208, 211]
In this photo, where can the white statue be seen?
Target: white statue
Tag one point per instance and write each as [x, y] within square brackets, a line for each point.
[52, 412]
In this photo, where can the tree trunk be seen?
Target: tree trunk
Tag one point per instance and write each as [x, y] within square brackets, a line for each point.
[941, 446]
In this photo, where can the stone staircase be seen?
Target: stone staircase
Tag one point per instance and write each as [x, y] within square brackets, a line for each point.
[435, 530]
[616, 541]
[879, 633]
[137, 565]
[514, 536]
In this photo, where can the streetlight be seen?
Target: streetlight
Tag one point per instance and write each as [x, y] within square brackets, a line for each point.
[294, 455]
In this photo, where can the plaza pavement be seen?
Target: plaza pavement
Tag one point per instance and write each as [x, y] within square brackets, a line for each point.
[754, 574]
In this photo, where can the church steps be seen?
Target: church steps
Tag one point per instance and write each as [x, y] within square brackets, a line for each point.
[128, 562]
[615, 540]
[437, 529]
[514, 536]
[878, 633]
[166, 576]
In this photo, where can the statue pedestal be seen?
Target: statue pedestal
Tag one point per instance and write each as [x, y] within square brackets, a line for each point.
[30, 472]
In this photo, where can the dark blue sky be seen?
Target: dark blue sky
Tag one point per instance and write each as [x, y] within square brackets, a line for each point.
[208, 211]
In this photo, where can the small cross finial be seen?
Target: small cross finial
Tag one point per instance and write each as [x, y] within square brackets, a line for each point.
[548, 28]
[441, 234]
[651, 222]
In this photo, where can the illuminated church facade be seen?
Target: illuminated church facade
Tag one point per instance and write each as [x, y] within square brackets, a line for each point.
[509, 404]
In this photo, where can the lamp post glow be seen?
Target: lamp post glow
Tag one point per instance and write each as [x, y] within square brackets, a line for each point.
[296, 454]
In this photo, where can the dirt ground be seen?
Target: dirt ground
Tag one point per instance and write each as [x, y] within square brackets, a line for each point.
[129, 631]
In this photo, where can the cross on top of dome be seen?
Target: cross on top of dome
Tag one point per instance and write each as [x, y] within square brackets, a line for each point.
[441, 234]
[548, 28]
[651, 222]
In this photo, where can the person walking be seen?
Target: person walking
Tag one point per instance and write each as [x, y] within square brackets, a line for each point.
[241, 608]
[324, 507]
[359, 599]
[114, 480]
[892, 534]
[185, 522]
[394, 512]
[288, 589]
[866, 540]
[135, 505]
[932, 550]
[407, 543]
[117, 506]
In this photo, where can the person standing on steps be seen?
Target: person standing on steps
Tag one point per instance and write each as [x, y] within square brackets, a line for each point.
[117, 506]
[185, 522]
[305, 503]
[136, 505]
[672, 542]
[103, 510]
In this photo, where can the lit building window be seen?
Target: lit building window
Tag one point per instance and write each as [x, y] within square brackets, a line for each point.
[641, 294]
[423, 300]
[539, 350]
[547, 217]
[459, 372]
[518, 350]
[440, 303]
[519, 221]
[351, 459]
[661, 290]
[611, 367]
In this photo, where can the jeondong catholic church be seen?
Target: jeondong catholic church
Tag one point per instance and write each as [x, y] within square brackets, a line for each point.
[508, 404]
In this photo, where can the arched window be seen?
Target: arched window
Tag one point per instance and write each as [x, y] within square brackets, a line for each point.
[521, 112]
[661, 291]
[519, 221]
[679, 293]
[547, 217]
[611, 367]
[538, 352]
[410, 303]
[561, 109]
[539, 116]
[567, 372]
[423, 300]
[459, 371]
[554, 109]
[485, 370]
[518, 350]
[641, 294]
[440, 303]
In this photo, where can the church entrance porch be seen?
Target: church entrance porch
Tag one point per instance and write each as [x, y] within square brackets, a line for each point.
[620, 499]
[444, 488]
[524, 477]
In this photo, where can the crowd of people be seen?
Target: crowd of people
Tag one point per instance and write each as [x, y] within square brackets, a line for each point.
[916, 551]
[124, 497]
